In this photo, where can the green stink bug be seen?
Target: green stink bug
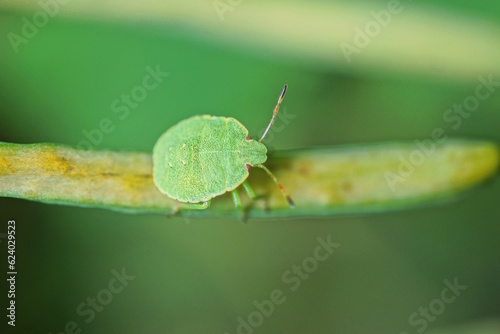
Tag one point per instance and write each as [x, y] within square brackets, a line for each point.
[205, 156]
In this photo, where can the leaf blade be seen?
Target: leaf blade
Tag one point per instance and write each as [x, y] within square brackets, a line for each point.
[323, 182]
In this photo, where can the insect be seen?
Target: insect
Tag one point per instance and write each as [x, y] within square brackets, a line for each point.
[205, 156]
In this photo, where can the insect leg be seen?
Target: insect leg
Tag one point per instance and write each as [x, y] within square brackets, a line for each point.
[250, 192]
[282, 189]
[196, 206]
[189, 206]
[237, 203]
[236, 199]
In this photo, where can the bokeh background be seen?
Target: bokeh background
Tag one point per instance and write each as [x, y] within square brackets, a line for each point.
[199, 276]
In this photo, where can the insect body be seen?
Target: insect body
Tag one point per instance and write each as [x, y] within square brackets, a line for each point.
[205, 156]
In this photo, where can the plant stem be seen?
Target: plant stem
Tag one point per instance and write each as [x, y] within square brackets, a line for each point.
[323, 182]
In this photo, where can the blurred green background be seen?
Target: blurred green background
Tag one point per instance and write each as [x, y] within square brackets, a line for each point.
[199, 276]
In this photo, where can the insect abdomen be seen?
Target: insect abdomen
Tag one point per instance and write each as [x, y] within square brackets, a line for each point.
[204, 163]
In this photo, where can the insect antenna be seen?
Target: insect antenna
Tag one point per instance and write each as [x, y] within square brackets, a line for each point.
[287, 197]
[275, 112]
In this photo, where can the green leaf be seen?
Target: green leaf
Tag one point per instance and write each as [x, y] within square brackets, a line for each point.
[323, 181]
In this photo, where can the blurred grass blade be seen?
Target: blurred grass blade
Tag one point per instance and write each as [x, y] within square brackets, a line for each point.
[326, 181]
[415, 39]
